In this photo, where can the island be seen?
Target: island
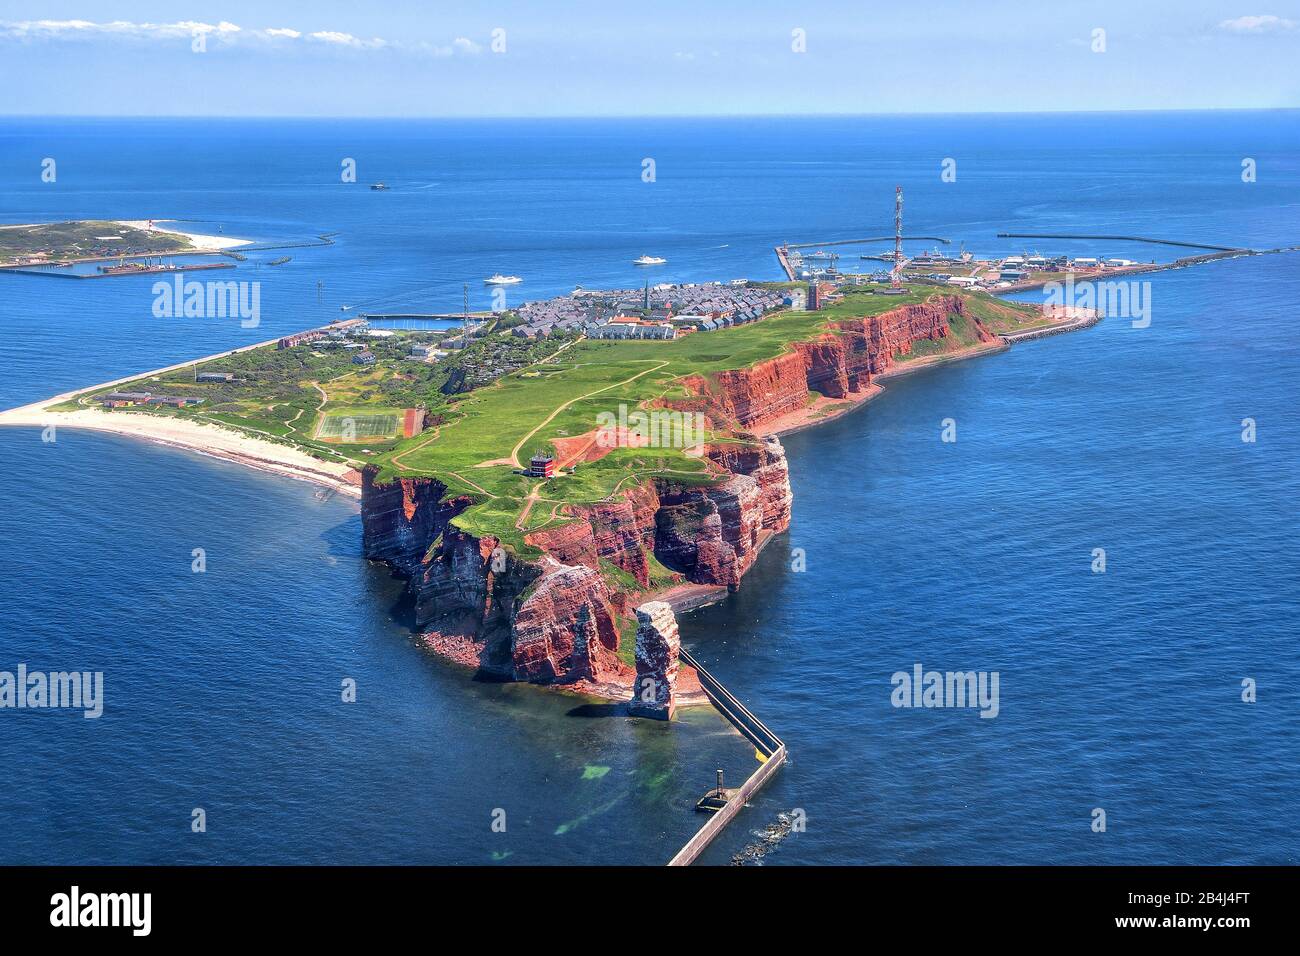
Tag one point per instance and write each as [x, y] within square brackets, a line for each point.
[538, 477]
[89, 240]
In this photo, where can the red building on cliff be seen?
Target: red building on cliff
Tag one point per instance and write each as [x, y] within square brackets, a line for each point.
[541, 466]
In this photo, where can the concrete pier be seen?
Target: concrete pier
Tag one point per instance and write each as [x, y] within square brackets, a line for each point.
[768, 744]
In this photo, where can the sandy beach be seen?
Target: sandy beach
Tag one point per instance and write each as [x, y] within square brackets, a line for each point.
[201, 242]
[213, 440]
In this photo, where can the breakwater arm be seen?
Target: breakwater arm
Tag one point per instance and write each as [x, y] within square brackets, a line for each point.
[1158, 242]
[768, 744]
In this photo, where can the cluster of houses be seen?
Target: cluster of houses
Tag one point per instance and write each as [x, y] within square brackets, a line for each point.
[567, 313]
[630, 327]
[334, 331]
[689, 305]
[658, 312]
[342, 335]
[126, 399]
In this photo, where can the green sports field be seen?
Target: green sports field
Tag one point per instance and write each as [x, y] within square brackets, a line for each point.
[358, 425]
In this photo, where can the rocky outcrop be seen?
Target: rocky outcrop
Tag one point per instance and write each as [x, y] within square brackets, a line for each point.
[712, 534]
[620, 531]
[657, 649]
[764, 461]
[544, 621]
[564, 630]
[402, 518]
[554, 619]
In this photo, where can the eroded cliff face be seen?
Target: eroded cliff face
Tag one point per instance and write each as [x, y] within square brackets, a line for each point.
[402, 518]
[837, 364]
[713, 534]
[764, 461]
[621, 531]
[564, 630]
[477, 603]
[556, 619]
[750, 397]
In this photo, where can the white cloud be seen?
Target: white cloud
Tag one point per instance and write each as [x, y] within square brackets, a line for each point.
[84, 29]
[1264, 23]
[54, 30]
[347, 39]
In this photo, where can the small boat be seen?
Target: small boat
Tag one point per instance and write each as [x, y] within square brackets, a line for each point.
[499, 279]
[378, 187]
[649, 261]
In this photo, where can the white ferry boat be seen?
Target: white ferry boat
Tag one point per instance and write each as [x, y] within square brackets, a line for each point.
[649, 261]
[499, 279]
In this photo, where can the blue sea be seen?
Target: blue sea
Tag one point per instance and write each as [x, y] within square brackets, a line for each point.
[1118, 691]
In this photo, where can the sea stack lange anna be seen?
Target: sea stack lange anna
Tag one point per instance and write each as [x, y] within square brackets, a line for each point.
[657, 648]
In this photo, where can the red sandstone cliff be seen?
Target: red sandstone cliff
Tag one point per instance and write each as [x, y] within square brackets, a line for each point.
[836, 364]
[565, 630]
[710, 533]
[621, 531]
[555, 619]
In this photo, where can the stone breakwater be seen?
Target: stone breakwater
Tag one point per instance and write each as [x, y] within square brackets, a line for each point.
[555, 618]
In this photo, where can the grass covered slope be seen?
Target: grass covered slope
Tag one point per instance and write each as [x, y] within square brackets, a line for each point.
[551, 395]
[494, 427]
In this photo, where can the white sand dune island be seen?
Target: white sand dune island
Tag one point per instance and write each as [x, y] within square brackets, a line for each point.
[201, 242]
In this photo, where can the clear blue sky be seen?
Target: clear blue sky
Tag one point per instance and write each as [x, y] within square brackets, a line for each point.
[587, 58]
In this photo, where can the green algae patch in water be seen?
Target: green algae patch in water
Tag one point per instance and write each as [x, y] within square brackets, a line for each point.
[564, 828]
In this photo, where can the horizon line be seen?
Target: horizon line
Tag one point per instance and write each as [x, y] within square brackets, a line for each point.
[639, 116]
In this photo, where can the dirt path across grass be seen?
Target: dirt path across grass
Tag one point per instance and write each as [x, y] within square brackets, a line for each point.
[514, 453]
